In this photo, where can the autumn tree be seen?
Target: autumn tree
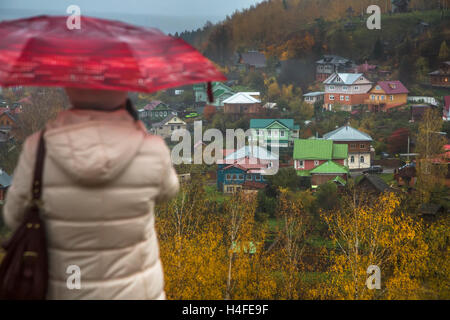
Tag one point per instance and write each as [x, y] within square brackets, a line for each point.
[45, 104]
[289, 244]
[430, 168]
[374, 233]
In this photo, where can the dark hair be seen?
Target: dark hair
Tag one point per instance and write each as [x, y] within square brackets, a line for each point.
[132, 110]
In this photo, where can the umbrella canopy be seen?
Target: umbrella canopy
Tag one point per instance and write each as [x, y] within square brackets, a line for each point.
[103, 54]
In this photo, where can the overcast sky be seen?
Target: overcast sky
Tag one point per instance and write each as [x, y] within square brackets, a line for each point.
[168, 15]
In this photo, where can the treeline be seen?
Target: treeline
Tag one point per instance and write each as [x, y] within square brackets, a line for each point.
[220, 251]
[299, 28]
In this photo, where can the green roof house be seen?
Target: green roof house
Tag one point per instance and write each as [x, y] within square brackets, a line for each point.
[322, 160]
[221, 92]
[274, 132]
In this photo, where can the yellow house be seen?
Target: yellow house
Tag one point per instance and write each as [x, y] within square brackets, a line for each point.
[386, 95]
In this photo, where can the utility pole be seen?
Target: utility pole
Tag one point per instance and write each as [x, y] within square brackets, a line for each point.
[408, 149]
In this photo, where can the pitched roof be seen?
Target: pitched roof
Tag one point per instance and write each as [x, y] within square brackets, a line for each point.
[254, 58]
[152, 105]
[340, 151]
[347, 133]
[347, 78]
[329, 167]
[376, 181]
[313, 149]
[340, 180]
[333, 59]
[165, 120]
[392, 87]
[314, 94]
[264, 123]
[241, 98]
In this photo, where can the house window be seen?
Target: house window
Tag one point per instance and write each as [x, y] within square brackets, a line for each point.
[331, 87]
[353, 146]
[392, 98]
[373, 97]
[230, 189]
[172, 128]
[331, 97]
[257, 178]
[362, 159]
[345, 88]
[269, 132]
[241, 177]
[282, 133]
[160, 128]
[347, 98]
[362, 146]
[382, 97]
[352, 159]
[248, 177]
[234, 176]
[356, 88]
[257, 132]
[378, 87]
[301, 164]
[228, 176]
[316, 163]
[342, 98]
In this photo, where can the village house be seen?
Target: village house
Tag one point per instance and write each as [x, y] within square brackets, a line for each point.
[243, 104]
[346, 90]
[321, 160]
[359, 143]
[250, 60]
[330, 64]
[313, 97]
[167, 126]
[7, 120]
[440, 77]
[373, 185]
[278, 133]
[220, 91]
[156, 111]
[386, 95]
[244, 169]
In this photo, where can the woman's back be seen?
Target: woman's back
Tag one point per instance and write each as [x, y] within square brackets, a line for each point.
[102, 177]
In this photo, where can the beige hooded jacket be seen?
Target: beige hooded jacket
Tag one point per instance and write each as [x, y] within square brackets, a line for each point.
[102, 177]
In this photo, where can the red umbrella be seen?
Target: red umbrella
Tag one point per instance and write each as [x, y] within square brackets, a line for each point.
[103, 54]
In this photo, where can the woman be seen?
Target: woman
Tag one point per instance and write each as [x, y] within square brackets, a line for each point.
[102, 177]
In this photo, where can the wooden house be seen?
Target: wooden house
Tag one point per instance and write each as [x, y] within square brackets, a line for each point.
[359, 153]
[243, 104]
[167, 126]
[441, 77]
[346, 90]
[330, 64]
[273, 132]
[386, 95]
[321, 160]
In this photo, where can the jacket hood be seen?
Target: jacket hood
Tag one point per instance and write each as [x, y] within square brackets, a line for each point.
[93, 147]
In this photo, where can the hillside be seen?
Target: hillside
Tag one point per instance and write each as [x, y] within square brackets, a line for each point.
[306, 29]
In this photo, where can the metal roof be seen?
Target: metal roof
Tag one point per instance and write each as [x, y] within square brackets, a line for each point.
[347, 133]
